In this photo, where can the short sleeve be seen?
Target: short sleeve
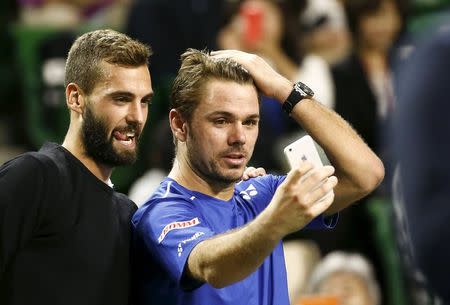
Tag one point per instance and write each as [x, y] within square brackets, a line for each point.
[323, 222]
[170, 231]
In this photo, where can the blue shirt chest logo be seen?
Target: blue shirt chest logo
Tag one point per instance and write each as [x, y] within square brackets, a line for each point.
[249, 192]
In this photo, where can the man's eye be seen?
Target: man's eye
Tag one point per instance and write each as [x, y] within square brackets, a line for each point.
[121, 99]
[220, 121]
[149, 101]
[251, 122]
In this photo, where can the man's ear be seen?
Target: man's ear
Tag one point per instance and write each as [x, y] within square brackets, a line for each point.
[75, 98]
[178, 125]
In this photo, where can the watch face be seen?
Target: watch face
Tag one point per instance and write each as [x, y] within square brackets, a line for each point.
[303, 89]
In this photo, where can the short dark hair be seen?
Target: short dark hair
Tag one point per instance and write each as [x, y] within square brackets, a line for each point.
[357, 9]
[197, 68]
[92, 48]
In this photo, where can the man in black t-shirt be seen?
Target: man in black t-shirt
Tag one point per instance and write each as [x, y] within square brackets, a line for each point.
[64, 232]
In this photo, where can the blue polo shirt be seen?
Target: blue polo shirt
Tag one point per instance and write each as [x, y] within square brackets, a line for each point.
[175, 219]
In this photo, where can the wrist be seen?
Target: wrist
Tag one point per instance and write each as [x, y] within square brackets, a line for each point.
[269, 227]
[299, 92]
[283, 90]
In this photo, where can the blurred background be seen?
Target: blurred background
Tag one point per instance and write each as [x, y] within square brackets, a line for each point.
[347, 51]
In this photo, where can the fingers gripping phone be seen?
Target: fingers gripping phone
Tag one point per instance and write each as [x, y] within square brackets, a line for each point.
[303, 149]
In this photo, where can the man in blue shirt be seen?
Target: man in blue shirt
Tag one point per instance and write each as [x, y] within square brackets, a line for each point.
[204, 237]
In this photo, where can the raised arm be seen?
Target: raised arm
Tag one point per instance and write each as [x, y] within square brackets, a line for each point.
[358, 169]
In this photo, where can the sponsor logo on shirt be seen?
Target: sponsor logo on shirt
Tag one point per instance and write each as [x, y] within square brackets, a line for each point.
[180, 250]
[249, 192]
[193, 237]
[177, 225]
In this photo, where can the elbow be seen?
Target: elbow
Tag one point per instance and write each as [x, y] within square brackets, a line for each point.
[216, 280]
[208, 273]
[377, 174]
[218, 284]
[219, 277]
[373, 177]
[207, 269]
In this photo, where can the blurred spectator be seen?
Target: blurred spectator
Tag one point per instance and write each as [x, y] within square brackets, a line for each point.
[301, 256]
[325, 32]
[68, 14]
[421, 130]
[364, 96]
[363, 82]
[61, 14]
[349, 276]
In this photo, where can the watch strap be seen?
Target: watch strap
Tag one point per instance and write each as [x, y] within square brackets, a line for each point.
[293, 99]
[299, 92]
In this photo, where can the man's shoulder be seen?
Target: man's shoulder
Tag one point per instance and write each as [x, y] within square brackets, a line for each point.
[168, 193]
[32, 160]
[169, 190]
[169, 196]
[262, 182]
[50, 154]
[125, 202]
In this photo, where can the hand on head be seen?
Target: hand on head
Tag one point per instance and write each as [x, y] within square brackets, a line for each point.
[268, 81]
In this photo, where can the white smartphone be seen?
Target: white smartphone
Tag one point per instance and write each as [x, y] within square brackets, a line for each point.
[304, 149]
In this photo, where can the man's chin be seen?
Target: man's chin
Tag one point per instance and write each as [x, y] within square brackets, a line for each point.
[117, 158]
[125, 153]
[233, 176]
[127, 158]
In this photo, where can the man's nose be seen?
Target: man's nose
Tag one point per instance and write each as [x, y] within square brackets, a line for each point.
[237, 134]
[137, 113]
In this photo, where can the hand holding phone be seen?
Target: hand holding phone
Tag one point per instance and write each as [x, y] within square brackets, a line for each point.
[303, 149]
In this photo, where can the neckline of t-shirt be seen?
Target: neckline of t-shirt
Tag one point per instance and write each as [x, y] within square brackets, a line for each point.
[80, 164]
[202, 196]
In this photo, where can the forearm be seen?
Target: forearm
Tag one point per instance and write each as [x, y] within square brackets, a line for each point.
[358, 169]
[231, 257]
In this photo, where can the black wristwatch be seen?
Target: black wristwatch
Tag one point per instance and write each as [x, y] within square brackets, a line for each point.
[299, 92]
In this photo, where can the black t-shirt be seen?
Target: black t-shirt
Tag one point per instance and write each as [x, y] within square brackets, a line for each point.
[64, 234]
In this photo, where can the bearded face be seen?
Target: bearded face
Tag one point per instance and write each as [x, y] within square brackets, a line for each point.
[99, 140]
